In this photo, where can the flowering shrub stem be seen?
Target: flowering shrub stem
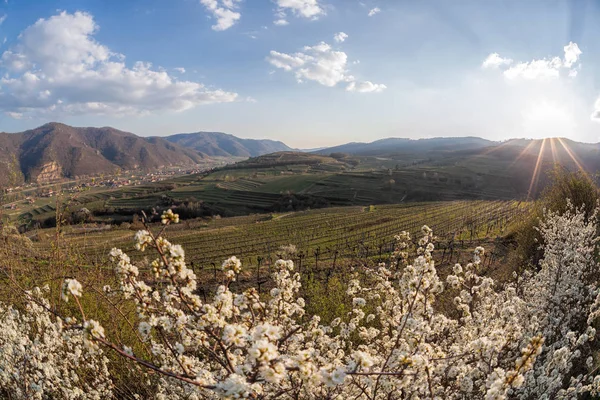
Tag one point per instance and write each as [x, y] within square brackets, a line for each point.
[527, 342]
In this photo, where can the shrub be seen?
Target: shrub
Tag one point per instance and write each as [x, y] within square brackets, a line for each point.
[576, 187]
[531, 340]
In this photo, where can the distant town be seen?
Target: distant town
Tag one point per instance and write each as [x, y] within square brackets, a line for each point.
[24, 196]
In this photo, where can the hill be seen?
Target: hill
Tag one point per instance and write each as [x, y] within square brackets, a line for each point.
[226, 145]
[291, 181]
[389, 146]
[288, 158]
[55, 151]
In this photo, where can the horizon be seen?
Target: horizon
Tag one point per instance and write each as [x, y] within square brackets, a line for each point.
[500, 142]
[309, 73]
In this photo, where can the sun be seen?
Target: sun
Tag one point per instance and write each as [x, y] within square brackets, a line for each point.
[548, 118]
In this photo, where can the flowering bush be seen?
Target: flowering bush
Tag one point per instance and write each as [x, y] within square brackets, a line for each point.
[529, 340]
[45, 357]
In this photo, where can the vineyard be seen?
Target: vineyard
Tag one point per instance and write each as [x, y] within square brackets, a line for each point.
[268, 183]
[321, 236]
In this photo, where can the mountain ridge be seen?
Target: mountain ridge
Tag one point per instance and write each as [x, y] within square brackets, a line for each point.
[398, 145]
[226, 145]
[54, 150]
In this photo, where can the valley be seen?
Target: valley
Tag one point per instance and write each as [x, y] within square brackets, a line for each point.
[299, 200]
[396, 172]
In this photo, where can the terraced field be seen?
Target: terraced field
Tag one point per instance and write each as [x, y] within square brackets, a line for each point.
[327, 234]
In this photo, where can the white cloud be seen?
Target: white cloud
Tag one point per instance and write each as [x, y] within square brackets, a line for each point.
[281, 22]
[252, 34]
[543, 69]
[300, 8]
[3, 18]
[340, 37]
[495, 61]
[374, 11]
[56, 66]
[14, 115]
[322, 64]
[536, 69]
[181, 70]
[573, 73]
[317, 63]
[541, 97]
[596, 113]
[284, 61]
[223, 11]
[365, 87]
[572, 53]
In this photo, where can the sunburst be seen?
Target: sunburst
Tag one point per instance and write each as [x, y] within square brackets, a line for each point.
[523, 152]
[536, 171]
[553, 148]
[571, 155]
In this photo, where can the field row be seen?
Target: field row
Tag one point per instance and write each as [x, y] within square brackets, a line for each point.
[335, 232]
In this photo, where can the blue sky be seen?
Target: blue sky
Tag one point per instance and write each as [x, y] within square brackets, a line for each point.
[281, 69]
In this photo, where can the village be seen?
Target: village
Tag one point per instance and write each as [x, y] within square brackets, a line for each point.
[21, 198]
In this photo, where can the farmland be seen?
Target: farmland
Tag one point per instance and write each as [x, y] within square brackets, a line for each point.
[328, 235]
[257, 186]
[288, 181]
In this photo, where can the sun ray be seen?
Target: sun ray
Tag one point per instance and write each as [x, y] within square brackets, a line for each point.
[523, 152]
[490, 150]
[571, 155]
[536, 171]
[553, 148]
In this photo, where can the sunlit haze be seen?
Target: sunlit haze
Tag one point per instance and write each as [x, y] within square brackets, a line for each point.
[310, 73]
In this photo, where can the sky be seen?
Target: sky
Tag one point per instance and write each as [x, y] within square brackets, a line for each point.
[311, 73]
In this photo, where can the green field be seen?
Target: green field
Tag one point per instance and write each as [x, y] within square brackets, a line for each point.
[340, 233]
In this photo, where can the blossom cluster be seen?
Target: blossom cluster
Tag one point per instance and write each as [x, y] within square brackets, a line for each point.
[43, 357]
[528, 340]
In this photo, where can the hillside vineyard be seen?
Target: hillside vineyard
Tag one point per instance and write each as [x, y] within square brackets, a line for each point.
[298, 200]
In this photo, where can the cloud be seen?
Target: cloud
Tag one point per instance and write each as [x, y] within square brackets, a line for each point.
[495, 61]
[374, 11]
[573, 73]
[223, 11]
[57, 67]
[340, 37]
[14, 115]
[365, 87]
[535, 98]
[596, 113]
[537, 69]
[285, 61]
[322, 64]
[3, 18]
[310, 9]
[572, 53]
[181, 70]
[281, 22]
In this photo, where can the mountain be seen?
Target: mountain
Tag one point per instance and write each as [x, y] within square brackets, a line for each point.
[521, 164]
[55, 150]
[389, 146]
[225, 145]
